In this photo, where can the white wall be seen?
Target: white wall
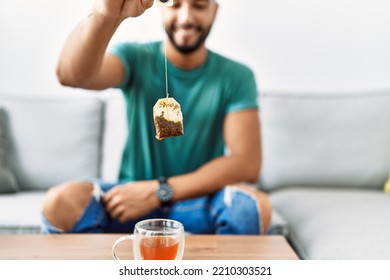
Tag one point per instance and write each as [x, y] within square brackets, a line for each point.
[290, 44]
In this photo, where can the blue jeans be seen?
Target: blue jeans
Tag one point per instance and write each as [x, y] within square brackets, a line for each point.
[228, 211]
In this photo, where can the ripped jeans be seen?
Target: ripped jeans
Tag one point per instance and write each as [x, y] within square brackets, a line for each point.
[229, 211]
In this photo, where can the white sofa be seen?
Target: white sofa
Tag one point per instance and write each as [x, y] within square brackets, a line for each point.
[55, 138]
[326, 159]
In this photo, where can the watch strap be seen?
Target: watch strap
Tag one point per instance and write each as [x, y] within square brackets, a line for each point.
[164, 192]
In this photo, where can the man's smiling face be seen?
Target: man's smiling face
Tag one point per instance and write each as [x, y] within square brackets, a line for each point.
[188, 23]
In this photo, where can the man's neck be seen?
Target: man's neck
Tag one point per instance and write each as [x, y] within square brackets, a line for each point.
[186, 61]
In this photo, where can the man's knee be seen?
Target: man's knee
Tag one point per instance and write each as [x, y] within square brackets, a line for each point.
[263, 205]
[63, 204]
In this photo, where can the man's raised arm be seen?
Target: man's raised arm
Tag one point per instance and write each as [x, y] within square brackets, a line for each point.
[83, 60]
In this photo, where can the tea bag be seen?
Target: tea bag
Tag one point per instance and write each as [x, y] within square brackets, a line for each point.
[168, 118]
[167, 115]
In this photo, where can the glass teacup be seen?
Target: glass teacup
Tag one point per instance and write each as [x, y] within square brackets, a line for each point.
[155, 239]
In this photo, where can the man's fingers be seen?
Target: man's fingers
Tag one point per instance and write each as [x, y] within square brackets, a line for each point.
[112, 203]
[147, 3]
[110, 194]
[117, 212]
[122, 218]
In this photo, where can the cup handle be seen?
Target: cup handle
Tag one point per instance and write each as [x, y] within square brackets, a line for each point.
[119, 240]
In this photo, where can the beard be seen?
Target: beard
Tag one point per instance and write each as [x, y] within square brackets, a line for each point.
[188, 48]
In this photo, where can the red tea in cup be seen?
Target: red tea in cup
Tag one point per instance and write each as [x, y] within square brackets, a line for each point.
[155, 239]
[158, 248]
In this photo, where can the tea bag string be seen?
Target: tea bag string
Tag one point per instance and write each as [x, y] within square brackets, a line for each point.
[166, 64]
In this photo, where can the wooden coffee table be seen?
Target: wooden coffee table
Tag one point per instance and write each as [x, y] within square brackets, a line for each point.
[98, 247]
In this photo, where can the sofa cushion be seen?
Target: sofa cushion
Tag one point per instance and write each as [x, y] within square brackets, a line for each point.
[7, 179]
[21, 212]
[56, 138]
[334, 223]
[325, 139]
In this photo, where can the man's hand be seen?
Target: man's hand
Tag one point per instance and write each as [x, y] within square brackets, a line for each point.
[132, 200]
[121, 9]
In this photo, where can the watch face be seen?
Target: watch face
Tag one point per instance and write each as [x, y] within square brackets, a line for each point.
[165, 193]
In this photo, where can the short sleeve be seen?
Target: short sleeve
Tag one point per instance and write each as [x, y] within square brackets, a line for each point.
[243, 91]
[126, 53]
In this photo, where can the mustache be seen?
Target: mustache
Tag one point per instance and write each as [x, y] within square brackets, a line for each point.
[186, 26]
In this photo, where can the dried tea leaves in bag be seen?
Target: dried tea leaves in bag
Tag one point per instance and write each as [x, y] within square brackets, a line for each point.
[168, 118]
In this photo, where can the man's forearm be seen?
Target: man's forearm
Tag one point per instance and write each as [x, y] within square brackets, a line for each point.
[242, 137]
[215, 175]
[83, 52]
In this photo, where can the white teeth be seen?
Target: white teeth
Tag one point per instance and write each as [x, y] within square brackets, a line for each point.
[187, 31]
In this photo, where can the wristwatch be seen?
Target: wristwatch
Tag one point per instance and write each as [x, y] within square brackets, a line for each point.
[164, 192]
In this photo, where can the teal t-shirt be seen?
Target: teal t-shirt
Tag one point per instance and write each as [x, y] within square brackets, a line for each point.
[206, 95]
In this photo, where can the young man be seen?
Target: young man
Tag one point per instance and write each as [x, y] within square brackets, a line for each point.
[190, 178]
